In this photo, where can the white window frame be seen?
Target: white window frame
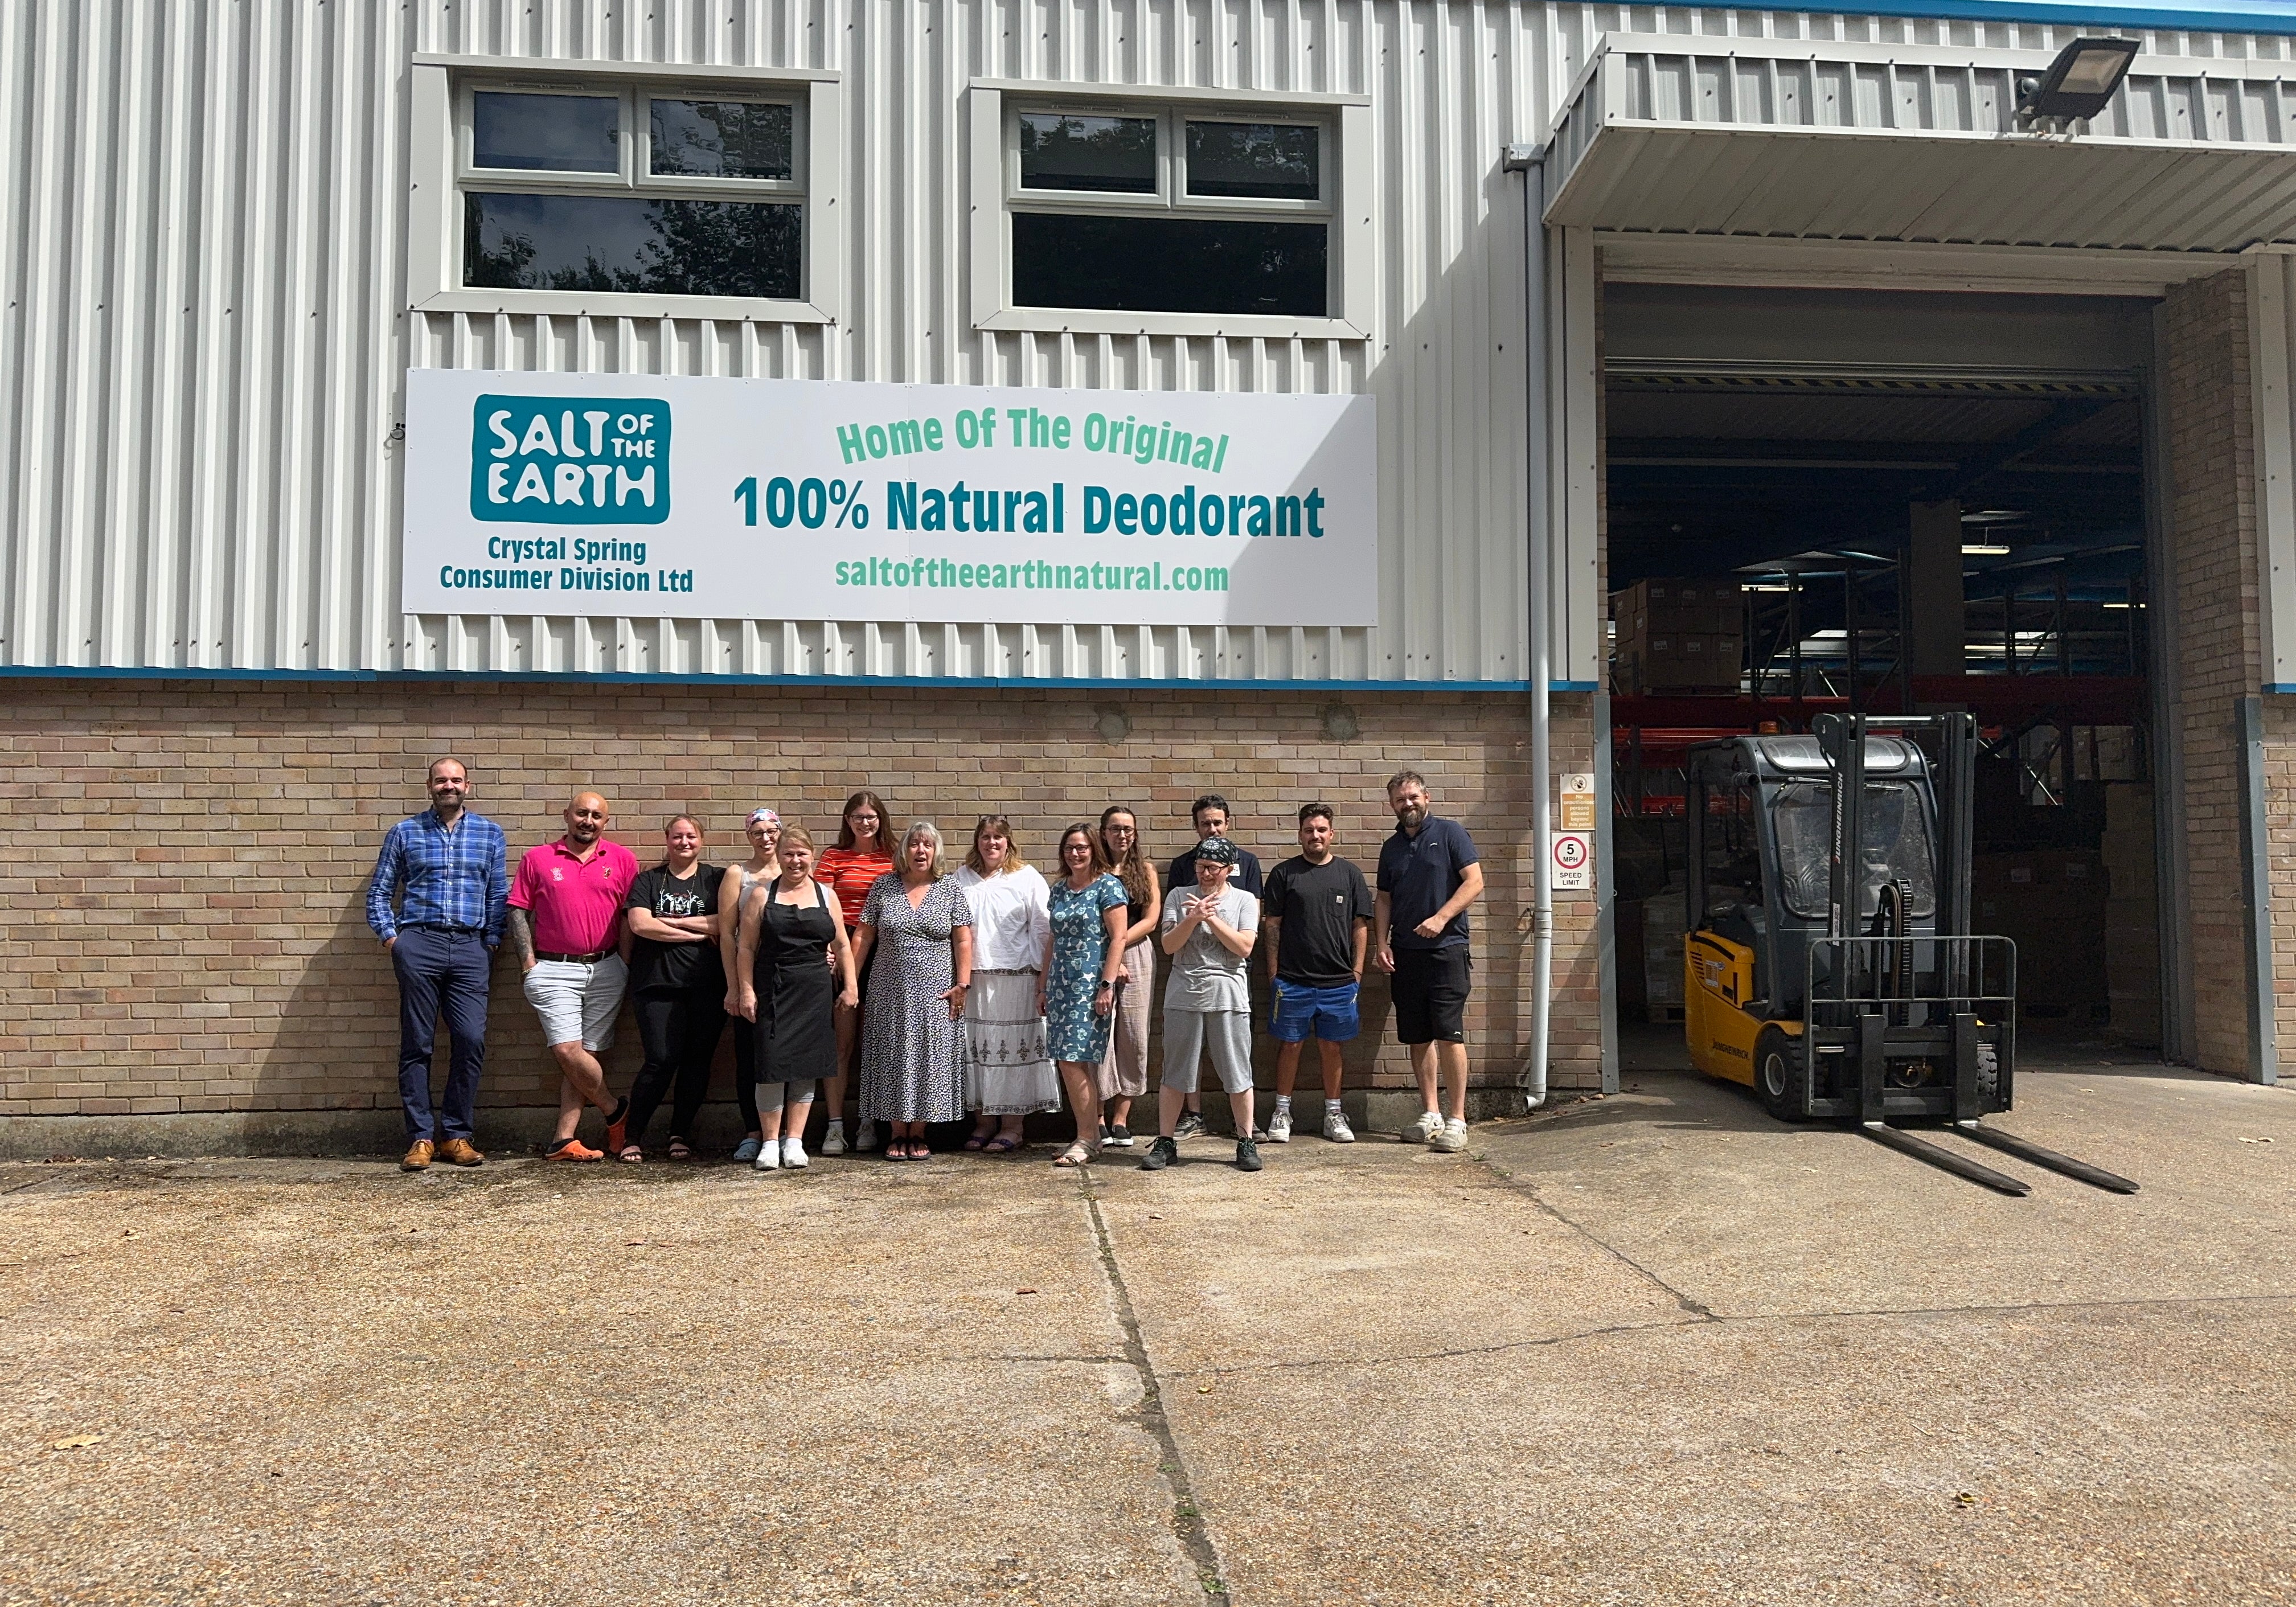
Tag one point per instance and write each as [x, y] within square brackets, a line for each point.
[1344, 178]
[441, 171]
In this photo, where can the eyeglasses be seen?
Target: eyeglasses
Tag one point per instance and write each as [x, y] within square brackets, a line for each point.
[1120, 831]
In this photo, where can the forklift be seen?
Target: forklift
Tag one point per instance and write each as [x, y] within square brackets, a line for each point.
[1830, 963]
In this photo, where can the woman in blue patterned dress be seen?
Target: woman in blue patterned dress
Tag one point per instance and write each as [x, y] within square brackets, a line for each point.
[1081, 962]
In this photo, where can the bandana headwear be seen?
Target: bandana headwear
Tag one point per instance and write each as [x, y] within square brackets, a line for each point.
[1215, 850]
[767, 816]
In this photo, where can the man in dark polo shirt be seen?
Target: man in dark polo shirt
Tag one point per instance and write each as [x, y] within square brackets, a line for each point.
[1428, 873]
[1317, 915]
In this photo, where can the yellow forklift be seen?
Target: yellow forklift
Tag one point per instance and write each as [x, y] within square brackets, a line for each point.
[1845, 983]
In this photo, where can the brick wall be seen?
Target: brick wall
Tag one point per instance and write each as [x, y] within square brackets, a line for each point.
[2205, 401]
[182, 924]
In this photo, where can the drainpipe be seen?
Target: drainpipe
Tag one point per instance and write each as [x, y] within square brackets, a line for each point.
[1530, 161]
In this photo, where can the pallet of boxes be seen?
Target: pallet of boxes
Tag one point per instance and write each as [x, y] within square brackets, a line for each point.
[1684, 635]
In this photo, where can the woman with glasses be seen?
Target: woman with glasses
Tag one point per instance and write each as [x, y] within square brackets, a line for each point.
[1122, 1073]
[864, 852]
[793, 964]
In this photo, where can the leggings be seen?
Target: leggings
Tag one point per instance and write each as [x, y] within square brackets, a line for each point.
[679, 1031]
[771, 1096]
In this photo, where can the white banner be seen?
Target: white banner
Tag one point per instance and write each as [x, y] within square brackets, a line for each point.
[814, 499]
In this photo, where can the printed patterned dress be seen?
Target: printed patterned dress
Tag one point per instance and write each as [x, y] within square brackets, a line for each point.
[1079, 948]
[912, 1053]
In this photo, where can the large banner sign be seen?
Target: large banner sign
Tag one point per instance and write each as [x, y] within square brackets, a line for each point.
[814, 499]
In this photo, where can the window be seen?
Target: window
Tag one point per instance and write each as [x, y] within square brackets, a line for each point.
[631, 190]
[1170, 210]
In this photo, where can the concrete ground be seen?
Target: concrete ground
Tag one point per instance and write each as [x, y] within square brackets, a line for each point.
[1654, 1348]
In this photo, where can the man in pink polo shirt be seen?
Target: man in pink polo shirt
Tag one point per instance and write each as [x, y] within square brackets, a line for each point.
[566, 923]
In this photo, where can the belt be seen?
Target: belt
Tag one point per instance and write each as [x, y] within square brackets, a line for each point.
[573, 959]
[460, 932]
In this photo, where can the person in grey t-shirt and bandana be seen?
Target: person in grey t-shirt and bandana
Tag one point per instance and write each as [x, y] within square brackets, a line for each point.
[1209, 931]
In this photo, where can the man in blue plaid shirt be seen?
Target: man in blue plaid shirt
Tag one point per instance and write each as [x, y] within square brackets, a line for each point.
[452, 867]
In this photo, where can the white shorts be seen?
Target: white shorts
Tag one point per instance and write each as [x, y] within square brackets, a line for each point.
[1190, 1034]
[577, 1001]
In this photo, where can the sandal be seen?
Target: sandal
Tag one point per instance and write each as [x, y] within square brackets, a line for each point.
[976, 1142]
[679, 1150]
[1078, 1153]
[631, 1155]
[1004, 1143]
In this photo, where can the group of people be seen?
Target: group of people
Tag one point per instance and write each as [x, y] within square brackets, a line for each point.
[991, 991]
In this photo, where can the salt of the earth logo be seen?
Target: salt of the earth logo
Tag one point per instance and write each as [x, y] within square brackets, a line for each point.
[570, 460]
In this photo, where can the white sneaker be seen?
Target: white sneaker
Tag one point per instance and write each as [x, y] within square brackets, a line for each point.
[865, 1137]
[1451, 1139]
[1336, 1130]
[792, 1154]
[1279, 1127]
[1425, 1129]
[769, 1158]
[833, 1142]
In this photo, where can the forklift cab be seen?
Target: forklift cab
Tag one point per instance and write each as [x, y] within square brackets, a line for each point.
[1833, 980]
[1760, 819]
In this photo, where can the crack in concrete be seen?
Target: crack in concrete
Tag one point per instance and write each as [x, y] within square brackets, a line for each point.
[1415, 1357]
[1187, 1517]
[1696, 1308]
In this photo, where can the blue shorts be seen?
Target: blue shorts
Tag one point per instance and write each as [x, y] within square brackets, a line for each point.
[1303, 1012]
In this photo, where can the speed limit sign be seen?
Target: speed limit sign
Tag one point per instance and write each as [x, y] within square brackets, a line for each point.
[1572, 857]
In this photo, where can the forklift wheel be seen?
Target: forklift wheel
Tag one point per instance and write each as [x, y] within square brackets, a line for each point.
[1781, 1075]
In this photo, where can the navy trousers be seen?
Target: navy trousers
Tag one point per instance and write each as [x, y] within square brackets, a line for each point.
[440, 973]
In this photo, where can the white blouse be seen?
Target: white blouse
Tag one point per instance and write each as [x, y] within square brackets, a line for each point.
[1011, 918]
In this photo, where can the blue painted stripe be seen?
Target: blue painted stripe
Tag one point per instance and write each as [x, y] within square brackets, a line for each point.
[2225, 16]
[642, 678]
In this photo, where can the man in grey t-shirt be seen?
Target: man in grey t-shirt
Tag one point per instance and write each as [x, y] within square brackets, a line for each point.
[1209, 930]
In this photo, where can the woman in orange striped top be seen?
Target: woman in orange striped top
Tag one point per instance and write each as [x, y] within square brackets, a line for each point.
[864, 852]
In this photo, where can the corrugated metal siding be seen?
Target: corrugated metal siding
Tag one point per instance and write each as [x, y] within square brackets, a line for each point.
[1715, 138]
[203, 246]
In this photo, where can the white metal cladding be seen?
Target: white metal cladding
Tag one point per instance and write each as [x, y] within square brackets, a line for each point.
[2272, 381]
[1904, 142]
[203, 247]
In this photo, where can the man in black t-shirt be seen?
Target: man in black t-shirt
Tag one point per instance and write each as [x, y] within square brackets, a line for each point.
[1317, 915]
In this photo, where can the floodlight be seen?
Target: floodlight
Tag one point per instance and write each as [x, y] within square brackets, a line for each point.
[2080, 82]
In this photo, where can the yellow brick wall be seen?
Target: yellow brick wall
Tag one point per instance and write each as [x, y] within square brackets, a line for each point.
[182, 906]
[2204, 396]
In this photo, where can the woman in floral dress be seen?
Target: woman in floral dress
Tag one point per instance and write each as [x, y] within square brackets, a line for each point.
[917, 922]
[1081, 964]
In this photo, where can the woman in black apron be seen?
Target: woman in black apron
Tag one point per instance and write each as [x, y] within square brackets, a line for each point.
[790, 926]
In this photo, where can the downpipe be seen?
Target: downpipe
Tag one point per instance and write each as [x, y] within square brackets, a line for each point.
[1530, 161]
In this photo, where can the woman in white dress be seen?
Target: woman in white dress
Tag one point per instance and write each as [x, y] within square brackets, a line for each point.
[1008, 1069]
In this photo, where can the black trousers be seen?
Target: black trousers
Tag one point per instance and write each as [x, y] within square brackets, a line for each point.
[679, 1030]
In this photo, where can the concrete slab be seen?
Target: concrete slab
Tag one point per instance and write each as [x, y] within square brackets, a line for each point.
[1689, 1178]
[527, 1384]
[1653, 1350]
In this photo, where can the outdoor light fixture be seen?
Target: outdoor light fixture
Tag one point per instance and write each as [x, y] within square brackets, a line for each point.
[1979, 549]
[2080, 83]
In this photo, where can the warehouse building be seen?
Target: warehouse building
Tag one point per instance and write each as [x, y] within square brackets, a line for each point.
[1031, 407]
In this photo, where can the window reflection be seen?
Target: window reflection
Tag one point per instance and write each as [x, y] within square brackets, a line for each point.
[1274, 160]
[1171, 264]
[545, 133]
[722, 139]
[596, 242]
[1105, 153]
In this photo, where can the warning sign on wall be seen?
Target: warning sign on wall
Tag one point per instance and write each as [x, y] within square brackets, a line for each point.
[1572, 857]
[1578, 812]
